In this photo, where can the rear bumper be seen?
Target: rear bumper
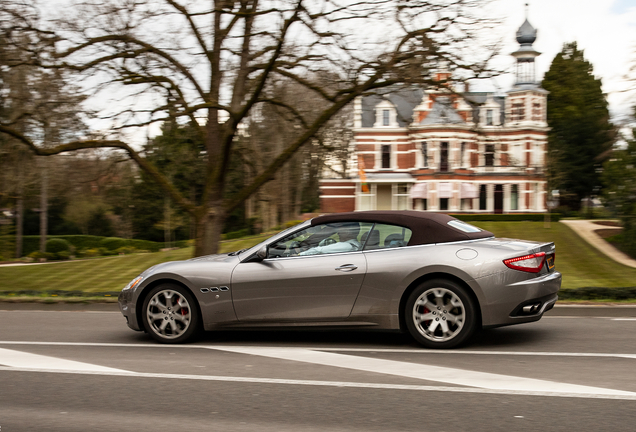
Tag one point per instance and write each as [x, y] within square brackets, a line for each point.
[507, 307]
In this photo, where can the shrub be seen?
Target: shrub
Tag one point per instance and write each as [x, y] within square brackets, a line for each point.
[145, 245]
[88, 252]
[112, 243]
[125, 250]
[236, 234]
[56, 245]
[36, 255]
[106, 252]
[63, 255]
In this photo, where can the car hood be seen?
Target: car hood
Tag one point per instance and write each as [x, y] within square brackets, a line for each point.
[215, 257]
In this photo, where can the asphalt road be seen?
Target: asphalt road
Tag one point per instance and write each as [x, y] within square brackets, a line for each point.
[84, 370]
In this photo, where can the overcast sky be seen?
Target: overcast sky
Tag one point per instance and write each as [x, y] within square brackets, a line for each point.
[604, 29]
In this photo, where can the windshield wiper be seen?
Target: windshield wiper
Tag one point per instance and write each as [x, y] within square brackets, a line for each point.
[236, 252]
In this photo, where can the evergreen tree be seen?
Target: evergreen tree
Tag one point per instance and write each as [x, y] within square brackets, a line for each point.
[619, 178]
[581, 135]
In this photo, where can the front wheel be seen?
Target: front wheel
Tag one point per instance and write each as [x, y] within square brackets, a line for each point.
[170, 314]
[440, 314]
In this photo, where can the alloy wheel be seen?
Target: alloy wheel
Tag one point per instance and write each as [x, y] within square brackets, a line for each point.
[439, 314]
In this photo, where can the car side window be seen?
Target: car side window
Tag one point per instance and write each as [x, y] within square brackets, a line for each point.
[322, 239]
[384, 236]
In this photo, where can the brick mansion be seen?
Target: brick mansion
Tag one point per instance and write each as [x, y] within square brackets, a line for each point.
[449, 152]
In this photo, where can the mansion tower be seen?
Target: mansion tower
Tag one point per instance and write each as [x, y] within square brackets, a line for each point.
[448, 152]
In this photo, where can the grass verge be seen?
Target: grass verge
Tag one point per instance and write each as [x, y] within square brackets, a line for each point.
[103, 277]
[581, 264]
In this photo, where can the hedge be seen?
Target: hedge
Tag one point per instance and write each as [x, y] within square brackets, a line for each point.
[32, 243]
[512, 217]
[598, 293]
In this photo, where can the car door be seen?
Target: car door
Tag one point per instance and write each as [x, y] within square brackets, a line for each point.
[290, 286]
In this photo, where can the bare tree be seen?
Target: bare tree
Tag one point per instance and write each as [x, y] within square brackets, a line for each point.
[212, 62]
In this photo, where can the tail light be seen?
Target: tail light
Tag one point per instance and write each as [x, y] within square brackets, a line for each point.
[528, 263]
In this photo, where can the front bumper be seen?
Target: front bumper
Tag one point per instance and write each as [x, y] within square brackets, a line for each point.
[127, 308]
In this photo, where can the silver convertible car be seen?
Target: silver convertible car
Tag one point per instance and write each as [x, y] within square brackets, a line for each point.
[430, 274]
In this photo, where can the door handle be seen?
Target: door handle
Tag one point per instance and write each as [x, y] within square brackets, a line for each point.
[347, 267]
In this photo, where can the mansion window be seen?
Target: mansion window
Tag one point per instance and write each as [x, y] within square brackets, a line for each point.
[462, 154]
[424, 154]
[489, 117]
[386, 156]
[385, 117]
[443, 157]
[536, 111]
[489, 155]
[518, 111]
[514, 197]
[483, 198]
[402, 196]
[443, 203]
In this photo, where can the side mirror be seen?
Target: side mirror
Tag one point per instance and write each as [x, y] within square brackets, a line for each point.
[262, 253]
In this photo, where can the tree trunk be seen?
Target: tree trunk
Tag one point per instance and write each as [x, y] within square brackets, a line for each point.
[208, 233]
[44, 205]
[19, 212]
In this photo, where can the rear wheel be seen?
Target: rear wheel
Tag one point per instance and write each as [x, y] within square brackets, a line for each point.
[440, 314]
[170, 314]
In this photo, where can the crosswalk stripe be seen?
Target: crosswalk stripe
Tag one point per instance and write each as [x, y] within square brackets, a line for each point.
[20, 359]
[488, 382]
[445, 375]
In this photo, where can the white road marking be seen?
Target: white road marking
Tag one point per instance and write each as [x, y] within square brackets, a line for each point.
[477, 382]
[338, 349]
[446, 375]
[19, 359]
[341, 384]
[623, 319]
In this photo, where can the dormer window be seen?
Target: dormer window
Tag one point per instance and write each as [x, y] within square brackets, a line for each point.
[385, 115]
[489, 113]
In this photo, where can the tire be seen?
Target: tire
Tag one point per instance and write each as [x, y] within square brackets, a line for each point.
[167, 323]
[440, 314]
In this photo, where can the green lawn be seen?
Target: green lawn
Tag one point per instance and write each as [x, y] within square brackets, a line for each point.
[581, 264]
[99, 274]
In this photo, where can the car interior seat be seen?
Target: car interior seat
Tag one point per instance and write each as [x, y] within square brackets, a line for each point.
[372, 239]
[394, 240]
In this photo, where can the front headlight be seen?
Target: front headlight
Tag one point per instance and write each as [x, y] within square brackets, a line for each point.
[133, 283]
